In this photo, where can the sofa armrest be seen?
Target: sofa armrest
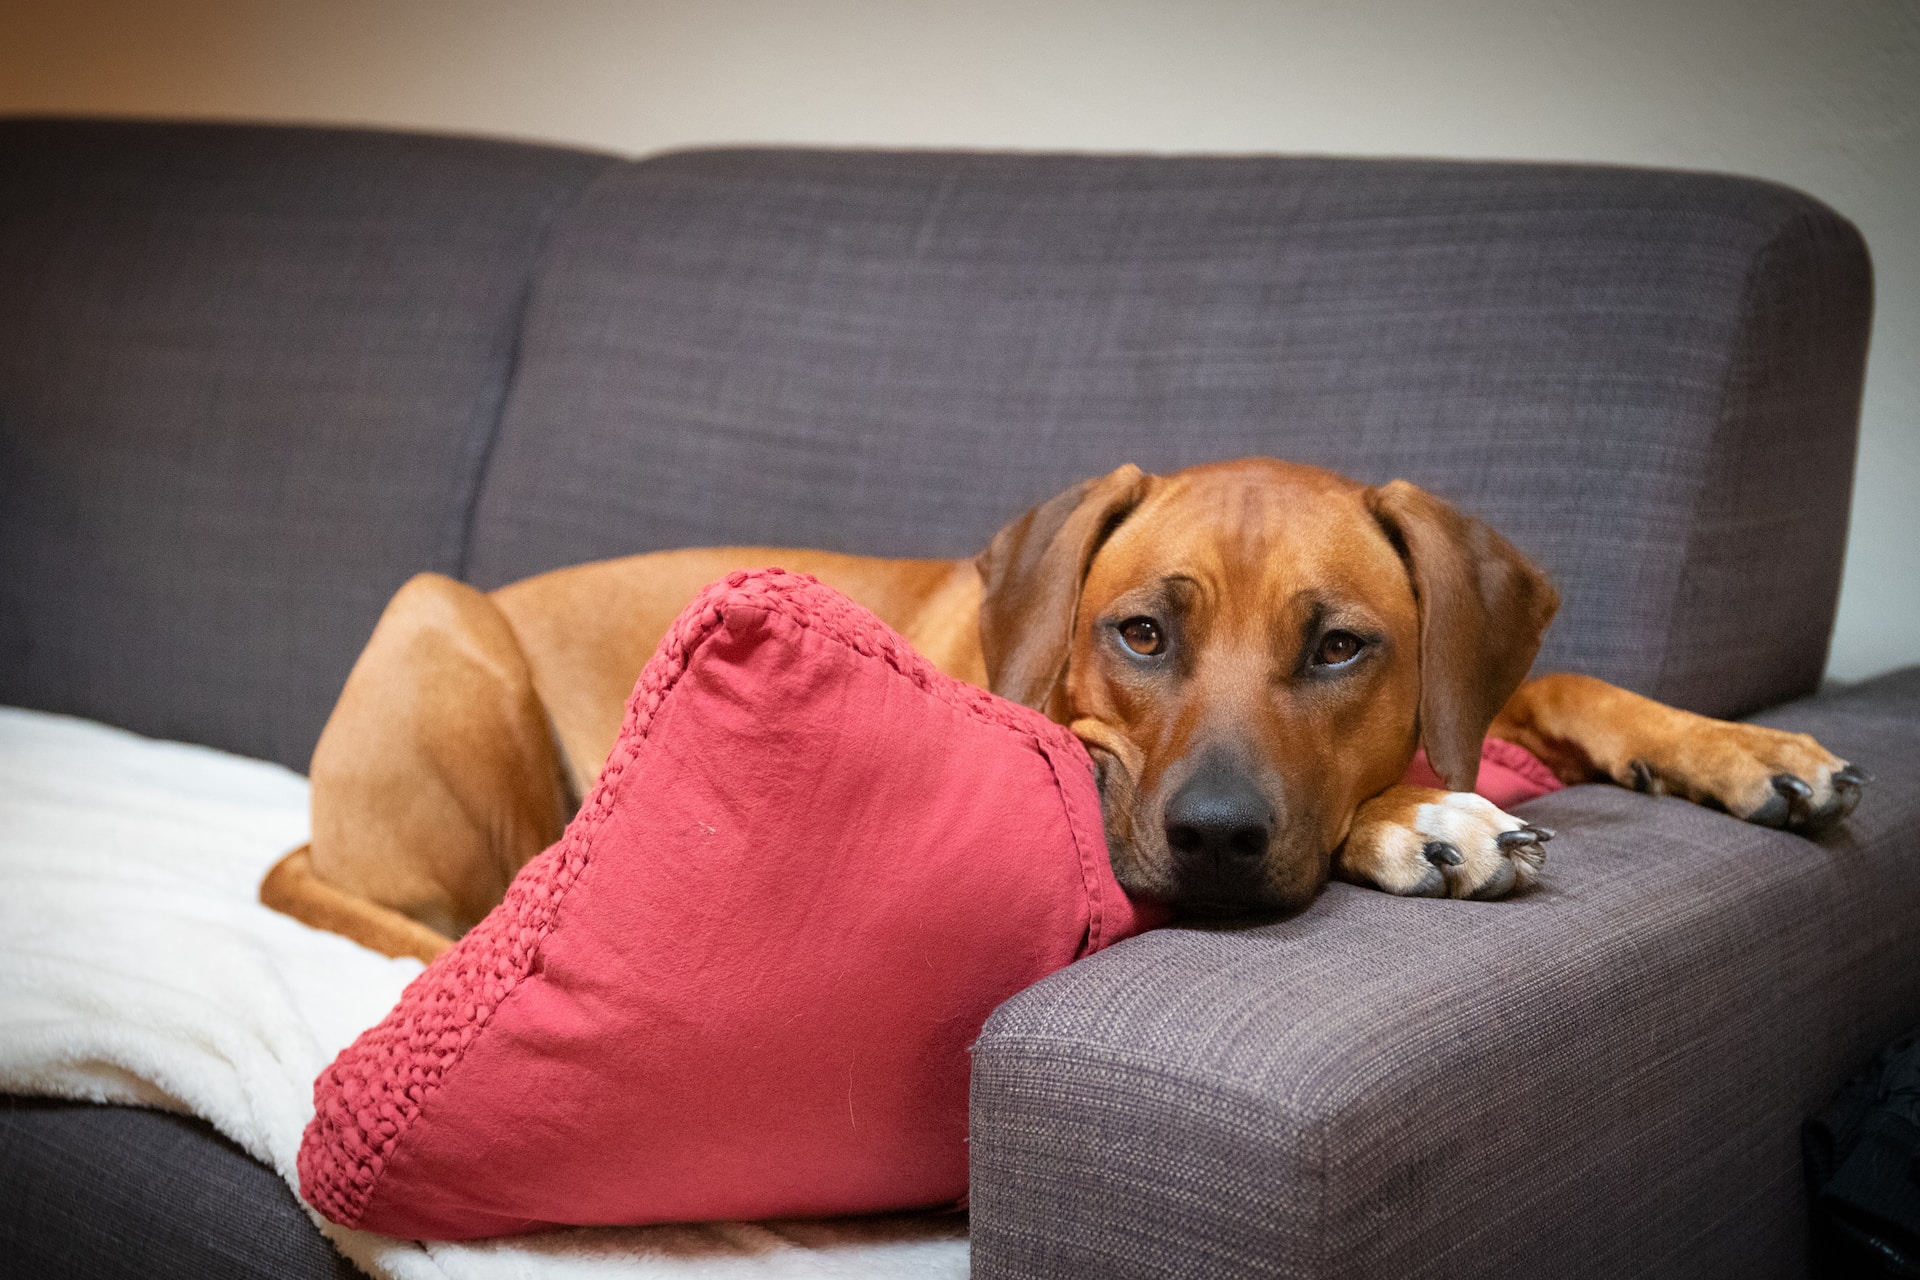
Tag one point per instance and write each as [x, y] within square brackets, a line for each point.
[1603, 1077]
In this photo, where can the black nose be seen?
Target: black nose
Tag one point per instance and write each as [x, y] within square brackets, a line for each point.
[1219, 814]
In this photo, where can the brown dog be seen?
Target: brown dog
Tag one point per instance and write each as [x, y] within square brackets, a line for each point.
[1251, 651]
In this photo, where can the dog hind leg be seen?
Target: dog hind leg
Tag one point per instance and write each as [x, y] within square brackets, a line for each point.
[435, 779]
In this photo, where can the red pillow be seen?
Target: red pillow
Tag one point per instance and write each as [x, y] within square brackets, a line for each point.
[743, 983]
[1509, 774]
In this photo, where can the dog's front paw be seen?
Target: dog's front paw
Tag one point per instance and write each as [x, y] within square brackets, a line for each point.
[1441, 844]
[1765, 776]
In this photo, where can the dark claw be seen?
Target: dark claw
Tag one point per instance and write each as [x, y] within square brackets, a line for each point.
[1442, 854]
[1799, 802]
[1642, 776]
[1510, 840]
[1847, 782]
[1791, 787]
[1540, 833]
[1791, 805]
[1799, 797]
[1833, 813]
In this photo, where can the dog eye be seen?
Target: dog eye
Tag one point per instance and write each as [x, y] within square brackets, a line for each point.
[1143, 636]
[1338, 648]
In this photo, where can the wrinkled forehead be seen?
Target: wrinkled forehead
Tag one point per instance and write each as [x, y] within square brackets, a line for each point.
[1254, 539]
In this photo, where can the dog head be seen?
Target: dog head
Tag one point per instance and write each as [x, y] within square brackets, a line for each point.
[1249, 651]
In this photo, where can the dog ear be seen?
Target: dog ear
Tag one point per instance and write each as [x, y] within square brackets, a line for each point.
[1483, 610]
[1032, 573]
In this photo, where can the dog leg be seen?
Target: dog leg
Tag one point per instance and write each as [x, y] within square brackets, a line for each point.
[292, 889]
[1586, 730]
[1419, 842]
[434, 781]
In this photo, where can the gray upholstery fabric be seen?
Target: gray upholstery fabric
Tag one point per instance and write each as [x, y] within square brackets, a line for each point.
[1649, 380]
[1602, 1078]
[248, 380]
[93, 1193]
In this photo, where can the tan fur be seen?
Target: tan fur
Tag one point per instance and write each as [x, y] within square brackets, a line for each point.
[474, 722]
[292, 888]
[1586, 730]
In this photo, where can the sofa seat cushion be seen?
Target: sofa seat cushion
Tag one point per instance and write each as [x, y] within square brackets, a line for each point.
[181, 1200]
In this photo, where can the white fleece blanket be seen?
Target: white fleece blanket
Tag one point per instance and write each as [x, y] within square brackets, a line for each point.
[136, 966]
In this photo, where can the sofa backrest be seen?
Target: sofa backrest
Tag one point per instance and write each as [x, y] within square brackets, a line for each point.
[248, 378]
[286, 392]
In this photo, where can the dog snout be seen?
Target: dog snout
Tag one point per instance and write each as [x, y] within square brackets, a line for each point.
[1220, 819]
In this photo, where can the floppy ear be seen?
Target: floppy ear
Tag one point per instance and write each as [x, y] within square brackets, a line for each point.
[1483, 610]
[1032, 573]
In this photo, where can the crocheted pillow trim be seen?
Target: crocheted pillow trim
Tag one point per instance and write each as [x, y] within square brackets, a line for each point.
[365, 1101]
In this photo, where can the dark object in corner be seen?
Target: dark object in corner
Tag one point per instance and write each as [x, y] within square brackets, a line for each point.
[1863, 1170]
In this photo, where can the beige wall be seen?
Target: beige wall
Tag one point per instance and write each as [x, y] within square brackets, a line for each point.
[1821, 94]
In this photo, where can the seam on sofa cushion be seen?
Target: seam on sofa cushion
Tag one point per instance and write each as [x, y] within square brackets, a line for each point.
[480, 463]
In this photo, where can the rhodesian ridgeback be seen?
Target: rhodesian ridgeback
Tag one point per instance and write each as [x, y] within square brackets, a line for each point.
[1251, 651]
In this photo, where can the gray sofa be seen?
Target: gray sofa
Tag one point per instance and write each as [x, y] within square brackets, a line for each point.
[251, 379]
